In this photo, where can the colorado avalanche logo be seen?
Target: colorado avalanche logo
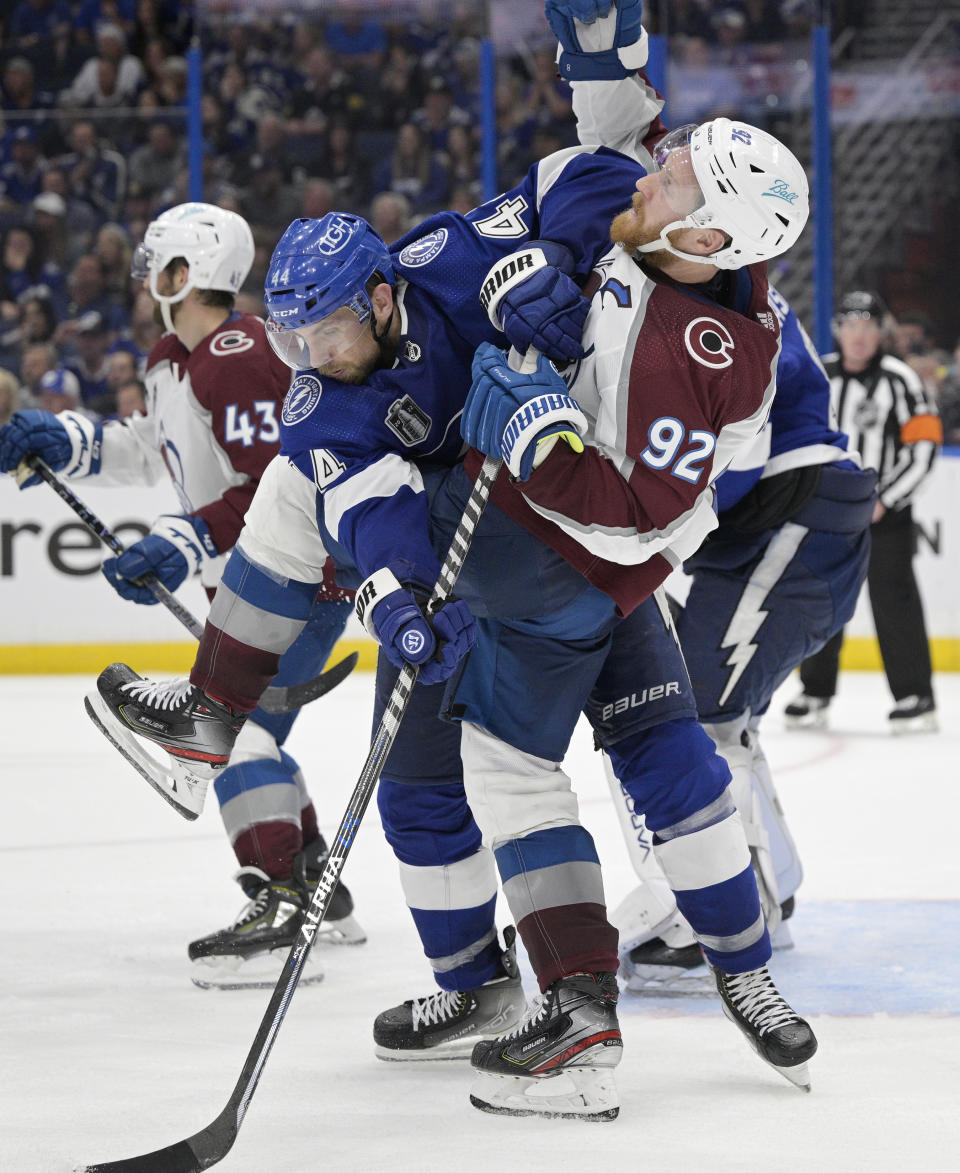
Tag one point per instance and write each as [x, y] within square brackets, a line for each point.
[302, 398]
[424, 250]
[709, 343]
[230, 342]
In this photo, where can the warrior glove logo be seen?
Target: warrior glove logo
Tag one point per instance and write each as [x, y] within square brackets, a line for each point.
[709, 342]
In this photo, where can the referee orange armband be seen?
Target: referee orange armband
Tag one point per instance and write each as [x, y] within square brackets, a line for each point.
[922, 427]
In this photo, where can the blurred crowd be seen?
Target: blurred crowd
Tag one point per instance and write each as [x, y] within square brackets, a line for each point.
[374, 110]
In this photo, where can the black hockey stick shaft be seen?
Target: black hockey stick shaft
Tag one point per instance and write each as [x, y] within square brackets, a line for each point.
[211, 1144]
[276, 698]
[110, 540]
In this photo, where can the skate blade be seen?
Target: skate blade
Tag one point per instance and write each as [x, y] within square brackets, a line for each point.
[456, 1049]
[172, 780]
[798, 1074]
[925, 724]
[816, 722]
[260, 972]
[650, 981]
[576, 1093]
[345, 931]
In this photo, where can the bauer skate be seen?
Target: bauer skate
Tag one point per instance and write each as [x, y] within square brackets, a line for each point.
[559, 1062]
[250, 954]
[448, 1023]
[775, 1031]
[913, 714]
[193, 733]
[807, 712]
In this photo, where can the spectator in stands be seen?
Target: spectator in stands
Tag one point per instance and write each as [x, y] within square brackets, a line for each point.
[64, 226]
[121, 368]
[155, 165]
[9, 396]
[390, 215]
[465, 77]
[325, 92]
[415, 171]
[38, 318]
[19, 93]
[317, 199]
[88, 295]
[112, 77]
[359, 40]
[91, 14]
[345, 166]
[950, 399]
[171, 85]
[131, 399]
[145, 327]
[34, 23]
[438, 115]
[700, 87]
[398, 93]
[88, 362]
[546, 97]
[21, 179]
[34, 364]
[96, 173]
[267, 200]
[462, 156]
[464, 197]
[59, 390]
[730, 34]
[765, 24]
[912, 335]
[113, 250]
[515, 128]
[22, 267]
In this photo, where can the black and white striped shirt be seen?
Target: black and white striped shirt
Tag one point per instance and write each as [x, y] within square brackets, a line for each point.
[891, 420]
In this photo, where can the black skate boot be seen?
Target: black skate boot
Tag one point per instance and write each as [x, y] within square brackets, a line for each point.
[913, 714]
[339, 926]
[559, 1062]
[194, 732]
[656, 969]
[252, 951]
[775, 1031]
[447, 1023]
[807, 712]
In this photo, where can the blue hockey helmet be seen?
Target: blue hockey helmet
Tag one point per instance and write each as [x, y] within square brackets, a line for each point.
[318, 268]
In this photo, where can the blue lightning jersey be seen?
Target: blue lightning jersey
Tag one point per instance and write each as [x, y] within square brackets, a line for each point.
[360, 444]
[802, 428]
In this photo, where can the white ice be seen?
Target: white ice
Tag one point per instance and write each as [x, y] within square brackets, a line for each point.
[108, 1050]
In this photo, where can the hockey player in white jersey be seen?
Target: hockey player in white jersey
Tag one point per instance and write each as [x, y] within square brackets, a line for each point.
[214, 391]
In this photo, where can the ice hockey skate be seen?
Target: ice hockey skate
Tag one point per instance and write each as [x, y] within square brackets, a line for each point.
[656, 969]
[913, 714]
[191, 734]
[775, 1031]
[807, 712]
[559, 1062]
[448, 1023]
[249, 954]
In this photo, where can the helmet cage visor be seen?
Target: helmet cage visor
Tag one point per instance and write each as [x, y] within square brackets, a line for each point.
[681, 191]
[319, 344]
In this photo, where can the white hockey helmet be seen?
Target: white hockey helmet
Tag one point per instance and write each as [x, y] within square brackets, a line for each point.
[216, 244]
[751, 187]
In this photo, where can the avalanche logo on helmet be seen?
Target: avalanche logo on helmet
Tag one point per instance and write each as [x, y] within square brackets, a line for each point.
[302, 398]
[424, 250]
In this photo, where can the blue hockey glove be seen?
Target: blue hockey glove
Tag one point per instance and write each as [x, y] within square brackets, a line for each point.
[175, 547]
[598, 42]
[519, 416]
[392, 614]
[530, 296]
[66, 441]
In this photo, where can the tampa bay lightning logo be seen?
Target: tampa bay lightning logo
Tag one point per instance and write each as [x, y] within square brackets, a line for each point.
[424, 250]
[302, 398]
[413, 642]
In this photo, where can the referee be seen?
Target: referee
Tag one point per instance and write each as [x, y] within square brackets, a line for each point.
[892, 422]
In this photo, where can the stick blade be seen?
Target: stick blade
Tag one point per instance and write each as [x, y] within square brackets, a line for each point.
[175, 1158]
[277, 699]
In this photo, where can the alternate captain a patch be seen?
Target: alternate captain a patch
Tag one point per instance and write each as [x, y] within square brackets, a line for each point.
[408, 420]
[302, 398]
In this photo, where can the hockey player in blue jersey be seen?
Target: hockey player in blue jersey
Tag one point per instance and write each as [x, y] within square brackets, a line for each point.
[357, 488]
[777, 578]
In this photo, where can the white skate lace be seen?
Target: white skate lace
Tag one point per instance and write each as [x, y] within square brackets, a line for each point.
[538, 1008]
[435, 1007]
[161, 694]
[254, 908]
[757, 999]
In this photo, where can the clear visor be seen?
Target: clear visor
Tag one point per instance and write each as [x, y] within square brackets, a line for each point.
[678, 181]
[141, 262]
[320, 344]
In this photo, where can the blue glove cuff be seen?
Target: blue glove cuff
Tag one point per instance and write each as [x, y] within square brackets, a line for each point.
[602, 66]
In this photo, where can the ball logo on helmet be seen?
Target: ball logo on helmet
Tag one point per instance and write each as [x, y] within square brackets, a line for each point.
[780, 190]
[709, 342]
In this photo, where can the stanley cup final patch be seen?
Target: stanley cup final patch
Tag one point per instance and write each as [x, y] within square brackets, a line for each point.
[408, 420]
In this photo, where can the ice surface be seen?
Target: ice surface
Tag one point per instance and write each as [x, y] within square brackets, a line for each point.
[109, 1051]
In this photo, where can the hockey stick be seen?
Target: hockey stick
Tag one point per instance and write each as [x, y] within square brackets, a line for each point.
[211, 1144]
[275, 699]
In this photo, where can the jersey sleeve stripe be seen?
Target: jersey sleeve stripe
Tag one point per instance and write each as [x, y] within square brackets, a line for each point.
[922, 427]
[384, 478]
